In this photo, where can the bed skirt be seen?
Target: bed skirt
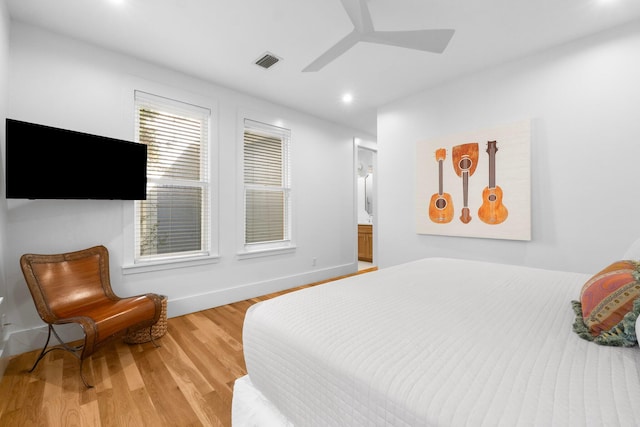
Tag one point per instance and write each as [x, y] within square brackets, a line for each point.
[250, 408]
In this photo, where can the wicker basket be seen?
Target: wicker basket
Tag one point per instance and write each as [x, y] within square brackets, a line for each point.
[159, 329]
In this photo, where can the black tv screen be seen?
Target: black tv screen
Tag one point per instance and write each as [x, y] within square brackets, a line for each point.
[44, 162]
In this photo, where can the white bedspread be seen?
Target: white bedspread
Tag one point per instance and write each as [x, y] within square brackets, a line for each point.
[438, 342]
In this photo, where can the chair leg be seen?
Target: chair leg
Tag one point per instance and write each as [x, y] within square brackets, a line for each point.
[61, 346]
[43, 352]
[86, 384]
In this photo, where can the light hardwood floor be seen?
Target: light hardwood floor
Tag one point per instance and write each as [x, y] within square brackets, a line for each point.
[187, 381]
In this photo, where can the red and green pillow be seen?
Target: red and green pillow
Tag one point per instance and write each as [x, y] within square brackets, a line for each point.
[609, 305]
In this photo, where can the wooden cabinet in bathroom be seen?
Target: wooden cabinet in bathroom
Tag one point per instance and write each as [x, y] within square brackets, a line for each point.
[365, 242]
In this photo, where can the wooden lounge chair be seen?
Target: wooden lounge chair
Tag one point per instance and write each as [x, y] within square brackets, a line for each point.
[74, 287]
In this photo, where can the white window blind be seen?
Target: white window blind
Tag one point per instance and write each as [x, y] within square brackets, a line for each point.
[267, 185]
[174, 219]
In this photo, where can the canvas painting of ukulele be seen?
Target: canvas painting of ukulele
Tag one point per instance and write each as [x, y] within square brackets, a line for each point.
[475, 183]
[465, 160]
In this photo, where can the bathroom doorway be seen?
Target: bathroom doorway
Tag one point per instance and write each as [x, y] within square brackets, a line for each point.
[366, 203]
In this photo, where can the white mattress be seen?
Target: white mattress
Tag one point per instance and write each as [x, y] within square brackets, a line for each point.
[437, 342]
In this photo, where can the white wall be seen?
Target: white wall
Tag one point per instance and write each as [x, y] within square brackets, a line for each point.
[64, 83]
[583, 99]
[4, 55]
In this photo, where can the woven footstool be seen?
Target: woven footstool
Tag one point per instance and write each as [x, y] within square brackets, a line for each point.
[159, 329]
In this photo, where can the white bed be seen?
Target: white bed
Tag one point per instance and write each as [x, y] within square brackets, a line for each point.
[436, 342]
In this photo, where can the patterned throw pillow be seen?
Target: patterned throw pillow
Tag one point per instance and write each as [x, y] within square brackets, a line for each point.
[609, 305]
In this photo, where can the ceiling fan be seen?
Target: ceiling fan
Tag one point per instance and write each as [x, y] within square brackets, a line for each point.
[434, 41]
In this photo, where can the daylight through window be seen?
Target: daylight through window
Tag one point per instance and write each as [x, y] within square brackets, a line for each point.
[174, 219]
[267, 186]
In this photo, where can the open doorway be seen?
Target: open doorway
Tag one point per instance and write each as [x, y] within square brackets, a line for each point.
[366, 204]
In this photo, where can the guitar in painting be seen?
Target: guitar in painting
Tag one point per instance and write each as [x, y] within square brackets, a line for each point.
[465, 161]
[492, 210]
[441, 205]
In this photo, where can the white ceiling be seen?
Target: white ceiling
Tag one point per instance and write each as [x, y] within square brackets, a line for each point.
[219, 40]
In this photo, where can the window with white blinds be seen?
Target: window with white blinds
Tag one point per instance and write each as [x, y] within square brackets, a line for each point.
[267, 184]
[174, 219]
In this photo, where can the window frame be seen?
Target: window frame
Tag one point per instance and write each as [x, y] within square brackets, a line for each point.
[134, 264]
[251, 250]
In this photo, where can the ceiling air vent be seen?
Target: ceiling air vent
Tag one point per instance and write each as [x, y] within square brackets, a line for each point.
[267, 60]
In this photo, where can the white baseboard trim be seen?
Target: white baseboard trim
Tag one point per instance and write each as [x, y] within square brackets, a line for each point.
[4, 337]
[192, 303]
[33, 339]
[4, 361]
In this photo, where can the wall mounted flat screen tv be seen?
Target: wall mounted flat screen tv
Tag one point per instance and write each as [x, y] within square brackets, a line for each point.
[44, 162]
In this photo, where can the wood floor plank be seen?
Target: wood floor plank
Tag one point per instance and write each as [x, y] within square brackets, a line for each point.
[126, 412]
[62, 411]
[180, 364]
[145, 407]
[33, 405]
[107, 408]
[90, 413]
[16, 377]
[129, 367]
[172, 405]
[227, 327]
[220, 405]
[193, 395]
[223, 347]
[211, 368]
[52, 373]
[187, 381]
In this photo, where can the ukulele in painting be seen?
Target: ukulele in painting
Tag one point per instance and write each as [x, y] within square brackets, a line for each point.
[441, 205]
[465, 161]
[492, 210]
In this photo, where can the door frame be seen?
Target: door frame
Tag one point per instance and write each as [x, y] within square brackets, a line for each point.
[359, 144]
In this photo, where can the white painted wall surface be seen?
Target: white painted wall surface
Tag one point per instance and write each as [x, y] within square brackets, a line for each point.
[4, 69]
[63, 83]
[583, 99]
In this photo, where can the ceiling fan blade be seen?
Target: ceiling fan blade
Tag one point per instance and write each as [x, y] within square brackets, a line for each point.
[435, 41]
[359, 14]
[335, 51]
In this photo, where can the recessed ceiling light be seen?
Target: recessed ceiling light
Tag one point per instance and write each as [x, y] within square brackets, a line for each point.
[347, 98]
